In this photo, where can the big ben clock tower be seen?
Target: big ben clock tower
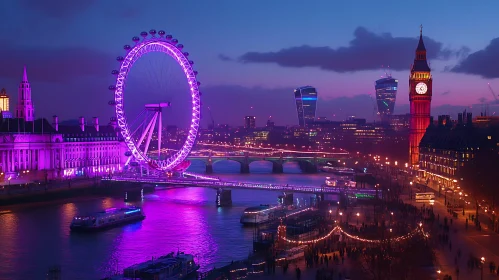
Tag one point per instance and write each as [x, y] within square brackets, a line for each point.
[420, 92]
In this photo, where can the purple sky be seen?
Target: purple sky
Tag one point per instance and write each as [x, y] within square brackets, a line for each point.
[250, 54]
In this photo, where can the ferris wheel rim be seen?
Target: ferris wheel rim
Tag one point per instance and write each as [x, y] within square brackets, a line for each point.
[169, 47]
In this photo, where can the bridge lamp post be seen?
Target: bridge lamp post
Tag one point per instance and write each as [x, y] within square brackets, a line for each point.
[358, 214]
[481, 267]
[341, 218]
[410, 183]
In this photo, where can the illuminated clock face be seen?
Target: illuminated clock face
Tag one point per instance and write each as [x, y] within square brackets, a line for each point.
[421, 88]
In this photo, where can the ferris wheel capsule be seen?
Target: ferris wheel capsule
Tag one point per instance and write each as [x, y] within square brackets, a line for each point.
[143, 34]
[113, 88]
[186, 54]
[120, 58]
[174, 41]
[112, 103]
[169, 37]
[115, 72]
[180, 46]
[127, 47]
[135, 39]
[161, 33]
[195, 73]
[191, 62]
[152, 32]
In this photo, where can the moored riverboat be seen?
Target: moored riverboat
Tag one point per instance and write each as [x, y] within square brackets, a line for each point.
[106, 219]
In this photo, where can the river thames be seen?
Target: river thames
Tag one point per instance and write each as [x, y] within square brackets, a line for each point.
[33, 238]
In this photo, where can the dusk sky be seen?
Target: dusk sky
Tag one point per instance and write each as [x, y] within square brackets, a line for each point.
[253, 53]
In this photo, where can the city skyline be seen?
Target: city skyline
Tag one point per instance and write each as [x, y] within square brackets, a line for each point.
[231, 66]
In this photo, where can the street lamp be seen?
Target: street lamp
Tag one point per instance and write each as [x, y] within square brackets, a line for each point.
[483, 262]
[358, 218]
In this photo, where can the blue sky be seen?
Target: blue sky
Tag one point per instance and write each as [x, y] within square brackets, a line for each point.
[70, 47]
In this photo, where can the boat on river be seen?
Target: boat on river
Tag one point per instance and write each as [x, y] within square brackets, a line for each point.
[107, 218]
[265, 213]
[167, 267]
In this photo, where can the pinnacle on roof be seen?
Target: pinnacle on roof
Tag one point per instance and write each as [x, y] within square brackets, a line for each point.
[25, 75]
[3, 92]
[421, 46]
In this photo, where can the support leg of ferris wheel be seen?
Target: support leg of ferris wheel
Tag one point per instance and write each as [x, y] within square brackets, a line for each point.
[160, 127]
[149, 137]
[144, 133]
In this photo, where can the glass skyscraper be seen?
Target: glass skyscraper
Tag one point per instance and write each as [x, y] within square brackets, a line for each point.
[306, 104]
[386, 93]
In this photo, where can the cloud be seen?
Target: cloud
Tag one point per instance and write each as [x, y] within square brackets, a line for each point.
[57, 8]
[367, 51]
[55, 65]
[482, 63]
[224, 57]
[445, 92]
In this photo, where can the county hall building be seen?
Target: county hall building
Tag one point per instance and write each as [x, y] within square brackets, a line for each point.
[35, 149]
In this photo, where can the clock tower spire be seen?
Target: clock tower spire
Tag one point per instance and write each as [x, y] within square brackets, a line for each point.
[420, 93]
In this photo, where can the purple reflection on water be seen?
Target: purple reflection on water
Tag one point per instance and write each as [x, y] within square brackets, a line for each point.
[33, 239]
[172, 223]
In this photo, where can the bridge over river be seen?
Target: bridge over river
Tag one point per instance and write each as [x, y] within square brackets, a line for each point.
[195, 180]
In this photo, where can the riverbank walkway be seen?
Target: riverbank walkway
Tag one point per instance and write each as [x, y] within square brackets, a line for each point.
[468, 240]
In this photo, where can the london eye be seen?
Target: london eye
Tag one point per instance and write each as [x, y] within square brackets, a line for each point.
[144, 131]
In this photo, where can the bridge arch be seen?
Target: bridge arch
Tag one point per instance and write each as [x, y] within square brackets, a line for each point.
[272, 166]
[232, 165]
[306, 165]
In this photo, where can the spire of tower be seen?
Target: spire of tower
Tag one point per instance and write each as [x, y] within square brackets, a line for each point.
[421, 46]
[25, 75]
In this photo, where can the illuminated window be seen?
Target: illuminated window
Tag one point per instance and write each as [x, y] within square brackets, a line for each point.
[489, 137]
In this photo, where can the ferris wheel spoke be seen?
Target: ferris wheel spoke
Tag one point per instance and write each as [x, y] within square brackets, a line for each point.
[140, 119]
[149, 137]
[146, 130]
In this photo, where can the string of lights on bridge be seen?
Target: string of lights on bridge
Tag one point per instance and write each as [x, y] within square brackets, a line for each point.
[418, 230]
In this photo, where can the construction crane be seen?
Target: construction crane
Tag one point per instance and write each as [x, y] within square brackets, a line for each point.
[212, 120]
[493, 93]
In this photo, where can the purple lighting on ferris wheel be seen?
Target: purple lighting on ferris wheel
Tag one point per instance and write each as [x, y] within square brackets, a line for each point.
[169, 46]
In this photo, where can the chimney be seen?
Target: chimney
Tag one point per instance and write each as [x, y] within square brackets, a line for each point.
[96, 123]
[55, 122]
[82, 123]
